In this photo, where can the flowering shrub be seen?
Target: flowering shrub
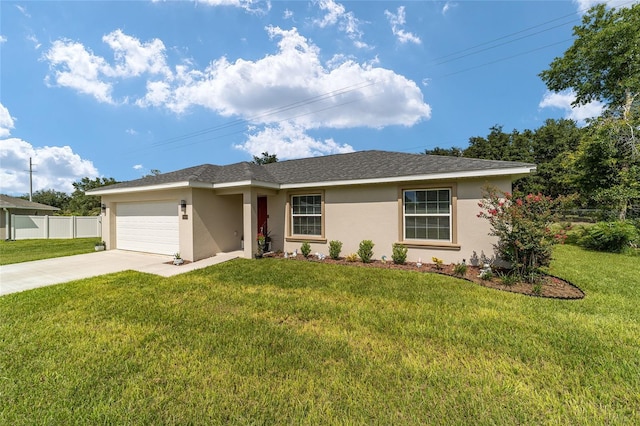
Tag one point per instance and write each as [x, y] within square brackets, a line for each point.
[522, 226]
[437, 262]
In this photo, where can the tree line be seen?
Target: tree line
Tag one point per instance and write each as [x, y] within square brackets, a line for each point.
[76, 204]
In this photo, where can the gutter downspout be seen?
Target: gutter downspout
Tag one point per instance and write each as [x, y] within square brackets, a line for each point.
[7, 223]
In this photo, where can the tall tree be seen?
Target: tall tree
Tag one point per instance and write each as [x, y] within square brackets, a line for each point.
[82, 204]
[604, 61]
[498, 145]
[553, 145]
[153, 172]
[607, 171]
[604, 64]
[50, 197]
[266, 158]
[454, 151]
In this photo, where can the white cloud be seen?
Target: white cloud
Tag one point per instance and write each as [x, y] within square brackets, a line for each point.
[288, 14]
[134, 58]
[336, 14]
[75, 67]
[397, 22]
[72, 65]
[32, 38]
[346, 94]
[56, 167]
[291, 85]
[254, 6]
[3, 39]
[564, 100]
[23, 10]
[138, 167]
[584, 5]
[6, 122]
[131, 132]
[448, 6]
[289, 141]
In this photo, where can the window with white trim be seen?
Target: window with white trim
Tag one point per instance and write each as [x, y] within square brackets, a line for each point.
[427, 214]
[306, 215]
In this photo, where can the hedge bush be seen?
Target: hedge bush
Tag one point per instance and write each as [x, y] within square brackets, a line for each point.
[366, 251]
[335, 247]
[614, 237]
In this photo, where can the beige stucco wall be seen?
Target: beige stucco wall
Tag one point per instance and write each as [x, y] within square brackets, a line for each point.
[372, 212]
[276, 209]
[217, 223]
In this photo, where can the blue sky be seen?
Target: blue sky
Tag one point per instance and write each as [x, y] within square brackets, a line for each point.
[118, 88]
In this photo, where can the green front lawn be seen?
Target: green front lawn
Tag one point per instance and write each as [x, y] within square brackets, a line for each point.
[291, 342]
[28, 250]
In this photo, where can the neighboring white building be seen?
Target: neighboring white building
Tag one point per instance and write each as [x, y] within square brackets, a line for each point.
[12, 205]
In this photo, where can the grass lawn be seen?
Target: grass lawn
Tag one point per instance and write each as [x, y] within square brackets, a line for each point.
[284, 342]
[28, 250]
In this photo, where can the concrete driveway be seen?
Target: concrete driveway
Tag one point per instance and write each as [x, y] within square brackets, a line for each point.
[28, 275]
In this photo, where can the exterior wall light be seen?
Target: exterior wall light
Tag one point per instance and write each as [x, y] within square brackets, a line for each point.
[183, 205]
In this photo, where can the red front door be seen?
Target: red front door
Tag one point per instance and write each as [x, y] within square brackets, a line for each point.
[262, 215]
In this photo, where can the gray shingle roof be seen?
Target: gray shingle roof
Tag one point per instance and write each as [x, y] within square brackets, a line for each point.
[338, 167]
[8, 202]
[377, 165]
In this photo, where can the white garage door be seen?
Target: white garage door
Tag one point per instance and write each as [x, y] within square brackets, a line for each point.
[148, 227]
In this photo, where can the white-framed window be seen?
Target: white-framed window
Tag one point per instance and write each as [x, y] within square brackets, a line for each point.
[306, 215]
[427, 214]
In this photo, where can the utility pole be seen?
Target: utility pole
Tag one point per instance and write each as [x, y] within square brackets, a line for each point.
[30, 180]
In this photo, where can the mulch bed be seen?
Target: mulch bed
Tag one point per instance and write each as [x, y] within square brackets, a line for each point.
[550, 286]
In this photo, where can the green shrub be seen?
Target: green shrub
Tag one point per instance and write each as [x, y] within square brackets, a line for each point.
[537, 289]
[510, 278]
[460, 269]
[365, 251]
[335, 247]
[305, 249]
[575, 234]
[636, 223]
[613, 237]
[486, 275]
[399, 254]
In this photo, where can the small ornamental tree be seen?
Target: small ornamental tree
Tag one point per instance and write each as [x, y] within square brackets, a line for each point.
[522, 226]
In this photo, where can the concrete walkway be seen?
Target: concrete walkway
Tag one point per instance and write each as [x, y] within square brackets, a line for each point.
[28, 275]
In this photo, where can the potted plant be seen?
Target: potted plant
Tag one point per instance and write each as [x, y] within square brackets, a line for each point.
[100, 246]
[177, 260]
[261, 239]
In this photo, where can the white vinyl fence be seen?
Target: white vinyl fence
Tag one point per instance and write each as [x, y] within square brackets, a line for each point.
[39, 227]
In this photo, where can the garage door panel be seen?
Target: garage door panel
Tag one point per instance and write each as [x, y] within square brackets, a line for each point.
[148, 227]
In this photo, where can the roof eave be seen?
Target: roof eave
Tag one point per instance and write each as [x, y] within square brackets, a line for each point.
[248, 182]
[514, 172]
[111, 191]
[184, 184]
